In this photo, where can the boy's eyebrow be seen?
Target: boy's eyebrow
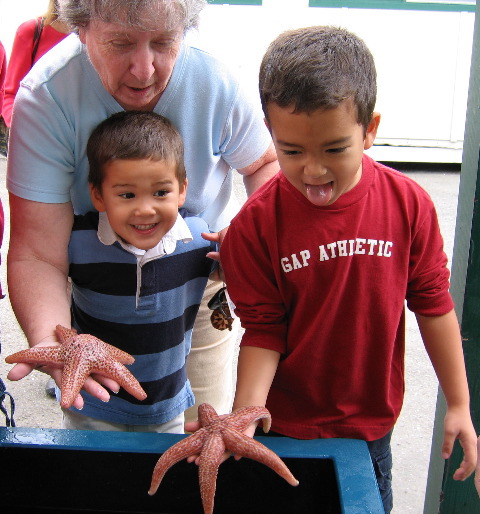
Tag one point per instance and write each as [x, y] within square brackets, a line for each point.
[166, 181]
[338, 141]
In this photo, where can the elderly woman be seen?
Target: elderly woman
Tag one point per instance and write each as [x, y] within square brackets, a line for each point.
[125, 55]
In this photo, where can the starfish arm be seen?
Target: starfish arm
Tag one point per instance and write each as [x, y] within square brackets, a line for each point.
[209, 461]
[245, 446]
[120, 355]
[74, 374]
[43, 356]
[245, 416]
[207, 414]
[65, 334]
[113, 369]
[191, 445]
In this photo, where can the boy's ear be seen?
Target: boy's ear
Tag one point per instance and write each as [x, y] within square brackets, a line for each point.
[97, 199]
[183, 193]
[371, 131]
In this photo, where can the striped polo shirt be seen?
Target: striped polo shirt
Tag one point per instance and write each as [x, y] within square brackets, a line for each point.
[145, 303]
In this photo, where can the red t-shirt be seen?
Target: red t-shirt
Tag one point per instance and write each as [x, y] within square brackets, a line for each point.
[326, 287]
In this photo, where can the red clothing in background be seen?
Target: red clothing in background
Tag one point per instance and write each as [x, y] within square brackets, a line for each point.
[3, 67]
[3, 71]
[20, 60]
[326, 287]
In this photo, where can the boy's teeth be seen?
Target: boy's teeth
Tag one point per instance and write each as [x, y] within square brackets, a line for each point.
[144, 227]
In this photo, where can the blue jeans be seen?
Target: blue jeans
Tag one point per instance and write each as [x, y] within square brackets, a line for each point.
[381, 455]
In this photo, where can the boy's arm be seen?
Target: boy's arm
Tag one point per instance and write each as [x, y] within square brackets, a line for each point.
[255, 372]
[442, 340]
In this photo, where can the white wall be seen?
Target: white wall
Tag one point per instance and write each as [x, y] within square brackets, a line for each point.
[14, 12]
[422, 58]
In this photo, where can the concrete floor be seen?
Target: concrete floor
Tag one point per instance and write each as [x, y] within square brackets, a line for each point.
[412, 436]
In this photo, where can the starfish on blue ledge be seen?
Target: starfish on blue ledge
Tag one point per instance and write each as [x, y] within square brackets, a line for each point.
[216, 435]
[80, 355]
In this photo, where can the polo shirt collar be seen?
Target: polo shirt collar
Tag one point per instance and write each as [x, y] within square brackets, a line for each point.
[167, 245]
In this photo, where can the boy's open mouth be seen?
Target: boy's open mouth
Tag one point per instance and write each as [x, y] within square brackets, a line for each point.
[145, 227]
[319, 194]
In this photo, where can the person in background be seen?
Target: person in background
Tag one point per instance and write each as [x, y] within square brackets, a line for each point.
[3, 71]
[125, 55]
[3, 392]
[331, 248]
[3, 65]
[32, 40]
[3, 127]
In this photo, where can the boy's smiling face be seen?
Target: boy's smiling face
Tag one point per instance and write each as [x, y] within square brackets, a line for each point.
[320, 153]
[141, 198]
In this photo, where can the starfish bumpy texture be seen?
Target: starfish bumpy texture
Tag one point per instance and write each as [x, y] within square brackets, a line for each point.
[214, 437]
[81, 355]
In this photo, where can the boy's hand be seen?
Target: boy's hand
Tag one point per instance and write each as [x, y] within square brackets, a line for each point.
[193, 426]
[458, 425]
[477, 470]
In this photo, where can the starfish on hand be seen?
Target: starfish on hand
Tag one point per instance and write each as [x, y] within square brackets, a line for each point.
[216, 435]
[80, 355]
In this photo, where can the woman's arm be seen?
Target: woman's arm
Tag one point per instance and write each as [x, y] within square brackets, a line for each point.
[260, 171]
[37, 279]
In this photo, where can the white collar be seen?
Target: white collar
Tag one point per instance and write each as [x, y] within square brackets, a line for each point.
[167, 245]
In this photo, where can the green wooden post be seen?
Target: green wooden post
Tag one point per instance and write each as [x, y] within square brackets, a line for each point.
[445, 495]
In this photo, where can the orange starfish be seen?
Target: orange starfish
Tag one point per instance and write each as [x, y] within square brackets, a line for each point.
[80, 355]
[217, 435]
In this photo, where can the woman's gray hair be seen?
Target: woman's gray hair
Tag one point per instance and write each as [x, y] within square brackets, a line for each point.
[139, 14]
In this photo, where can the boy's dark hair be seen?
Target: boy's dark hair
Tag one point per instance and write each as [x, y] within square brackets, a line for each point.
[318, 68]
[134, 135]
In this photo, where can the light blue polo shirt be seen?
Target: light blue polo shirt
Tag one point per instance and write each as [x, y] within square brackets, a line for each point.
[62, 99]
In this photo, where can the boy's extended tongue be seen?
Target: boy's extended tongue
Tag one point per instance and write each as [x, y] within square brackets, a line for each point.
[320, 195]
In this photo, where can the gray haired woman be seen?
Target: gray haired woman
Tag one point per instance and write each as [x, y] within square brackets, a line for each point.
[124, 55]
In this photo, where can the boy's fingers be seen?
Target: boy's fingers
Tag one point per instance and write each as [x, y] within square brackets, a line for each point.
[447, 446]
[477, 481]
[211, 236]
[215, 256]
[469, 461]
[464, 471]
[467, 467]
[192, 426]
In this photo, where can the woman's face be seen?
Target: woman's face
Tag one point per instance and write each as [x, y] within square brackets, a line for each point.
[133, 65]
